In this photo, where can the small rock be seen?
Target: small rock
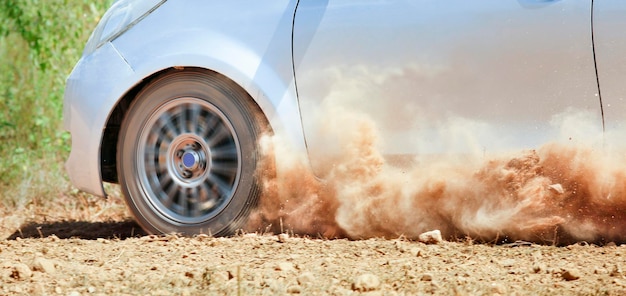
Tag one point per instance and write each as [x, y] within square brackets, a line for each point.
[43, 265]
[283, 237]
[570, 274]
[37, 289]
[91, 290]
[537, 255]
[427, 277]
[599, 270]
[284, 266]
[366, 282]
[557, 188]
[507, 262]
[180, 281]
[219, 277]
[616, 271]
[618, 283]
[431, 237]
[417, 252]
[21, 272]
[103, 241]
[539, 267]
[306, 278]
[498, 289]
[294, 289]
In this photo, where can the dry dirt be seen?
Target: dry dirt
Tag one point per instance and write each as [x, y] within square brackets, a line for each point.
[116, 258]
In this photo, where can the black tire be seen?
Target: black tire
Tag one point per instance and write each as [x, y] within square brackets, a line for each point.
[187, 155]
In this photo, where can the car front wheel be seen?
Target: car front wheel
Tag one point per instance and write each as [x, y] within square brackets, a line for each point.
[187, 155]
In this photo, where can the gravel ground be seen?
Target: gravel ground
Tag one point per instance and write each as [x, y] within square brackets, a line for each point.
[251, 264]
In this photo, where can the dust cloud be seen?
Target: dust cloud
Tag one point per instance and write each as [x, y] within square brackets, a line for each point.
[565, 191]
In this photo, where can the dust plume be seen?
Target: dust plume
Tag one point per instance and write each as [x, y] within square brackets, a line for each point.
[563, 192]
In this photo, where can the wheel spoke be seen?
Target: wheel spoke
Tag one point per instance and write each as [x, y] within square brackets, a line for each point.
[162, 160]
[209, 126]
[210, 196]
[218, 186]
[226, 169]
[150, 158]
[190, 162]
[166, 132]
[170, 196]
[164, 179]
[182, 118]
[194, 119]
[218, 135]
[194, 202]
[183, 202]
[226, 152]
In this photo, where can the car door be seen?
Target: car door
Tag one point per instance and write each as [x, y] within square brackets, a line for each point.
[443, 76]
[609, 24]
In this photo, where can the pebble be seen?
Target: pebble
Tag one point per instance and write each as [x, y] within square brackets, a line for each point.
[219, 277]
[507, 263]
[284, 266]
[498, 289]
[283, 237]
[618, 283]
[103, 241]
[21, 271]
[294, 289]
[431, 237]
[306, 278]
[366, 282]
[43, 265]
[539, 267]
[570, 274]
[537, 255]
[557, 188]
[616, 271]
[417, 252]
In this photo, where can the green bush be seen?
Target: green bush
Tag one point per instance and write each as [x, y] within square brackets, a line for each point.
[40, 41]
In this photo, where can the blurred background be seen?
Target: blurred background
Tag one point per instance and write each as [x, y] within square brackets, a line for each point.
[40, 41]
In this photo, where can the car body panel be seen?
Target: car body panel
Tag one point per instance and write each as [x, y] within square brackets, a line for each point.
[92, 88]
[434, 76]
[258, 60]
[180, 34]
[610, 48]
[445, 76]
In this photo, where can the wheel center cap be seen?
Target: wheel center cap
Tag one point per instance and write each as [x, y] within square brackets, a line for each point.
[191, 160]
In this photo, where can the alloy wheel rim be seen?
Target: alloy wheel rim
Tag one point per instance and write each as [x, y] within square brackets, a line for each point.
[188, 161]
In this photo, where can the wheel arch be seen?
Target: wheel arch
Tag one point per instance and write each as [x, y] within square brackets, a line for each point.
[111, 132]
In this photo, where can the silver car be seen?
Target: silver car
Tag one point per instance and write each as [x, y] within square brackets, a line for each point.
[170, 98]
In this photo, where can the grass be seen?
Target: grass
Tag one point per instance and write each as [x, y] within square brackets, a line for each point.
[40, 41]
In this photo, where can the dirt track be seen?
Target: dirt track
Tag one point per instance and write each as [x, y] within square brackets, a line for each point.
[76, 244]
[80, 261]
